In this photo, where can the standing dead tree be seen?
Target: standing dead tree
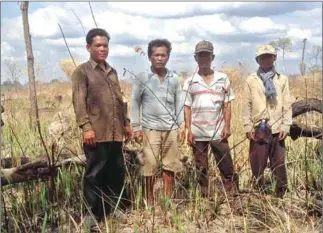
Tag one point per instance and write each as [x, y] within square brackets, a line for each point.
[34, 112]
[302, 66]
[33, 115]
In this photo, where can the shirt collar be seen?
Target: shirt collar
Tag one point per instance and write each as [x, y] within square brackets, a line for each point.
[198, 78]
[94, 64]
[168, 73]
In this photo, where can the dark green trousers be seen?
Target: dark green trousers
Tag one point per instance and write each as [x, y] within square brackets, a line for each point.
[104, 178]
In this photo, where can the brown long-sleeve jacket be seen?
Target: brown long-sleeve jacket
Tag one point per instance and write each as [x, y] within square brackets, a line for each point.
[98, 102]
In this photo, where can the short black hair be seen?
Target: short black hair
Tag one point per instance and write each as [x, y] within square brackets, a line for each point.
[159, 43]
[96, 32]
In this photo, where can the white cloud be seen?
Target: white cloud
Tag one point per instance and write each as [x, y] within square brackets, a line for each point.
[121, 50]
[245, 44]
[294, 55]
[119, 23]
[183, 48]
[12, 29]
[208, 24]
[44, 21]
[299, 34]
[168, 9]
[309, 13]
[7, 48]
[184, 24]
[260, 25]
[75, 42]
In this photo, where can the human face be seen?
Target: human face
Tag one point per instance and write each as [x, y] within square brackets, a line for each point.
[159, 57]
[204, 59]
[99, 49]
[266, 61]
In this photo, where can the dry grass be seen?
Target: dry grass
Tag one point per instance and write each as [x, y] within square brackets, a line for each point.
[29, 210]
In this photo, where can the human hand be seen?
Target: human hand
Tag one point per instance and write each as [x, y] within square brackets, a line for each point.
[89, 138]
[251, 136]
[138, 136]
[282, 135]
[127, 133]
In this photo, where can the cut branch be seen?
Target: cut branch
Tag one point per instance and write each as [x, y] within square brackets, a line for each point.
[93, 15]
[80, 22]
[308, 105]
[301, 130]
[66, 44]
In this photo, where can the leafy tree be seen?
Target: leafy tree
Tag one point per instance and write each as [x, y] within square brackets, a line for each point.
[284, 45]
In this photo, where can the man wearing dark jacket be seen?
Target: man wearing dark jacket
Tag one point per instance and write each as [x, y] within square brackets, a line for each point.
[101, 115]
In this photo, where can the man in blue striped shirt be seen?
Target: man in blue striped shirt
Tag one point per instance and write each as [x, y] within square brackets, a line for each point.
[157, 112]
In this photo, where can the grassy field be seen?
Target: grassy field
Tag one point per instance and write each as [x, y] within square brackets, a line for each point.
[28, 207]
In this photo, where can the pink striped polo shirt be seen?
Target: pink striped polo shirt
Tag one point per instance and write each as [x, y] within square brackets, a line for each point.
[206, 103]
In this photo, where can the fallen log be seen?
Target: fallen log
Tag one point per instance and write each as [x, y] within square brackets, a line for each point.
[36, 170]
[15, 162]
[11, 162]
[40, 169]
[298, 130]
[308, 105]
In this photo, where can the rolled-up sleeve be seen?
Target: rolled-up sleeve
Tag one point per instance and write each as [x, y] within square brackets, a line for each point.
[179, 104]
[79, 95]
[187, 97]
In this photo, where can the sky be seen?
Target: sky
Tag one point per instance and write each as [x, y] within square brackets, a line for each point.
[234, 28]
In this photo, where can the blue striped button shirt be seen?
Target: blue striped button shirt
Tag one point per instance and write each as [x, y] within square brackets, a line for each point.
[156, 105]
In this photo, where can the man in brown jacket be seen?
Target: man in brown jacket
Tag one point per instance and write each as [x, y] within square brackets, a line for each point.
[100, 113]
[267, 100]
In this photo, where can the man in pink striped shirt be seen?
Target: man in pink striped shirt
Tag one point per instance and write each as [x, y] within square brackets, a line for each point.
[207, 117]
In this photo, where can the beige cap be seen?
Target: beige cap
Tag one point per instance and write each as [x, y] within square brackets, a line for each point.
[204, 46]
[265, 49]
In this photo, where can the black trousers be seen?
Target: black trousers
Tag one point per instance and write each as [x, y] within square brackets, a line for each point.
[104, 178]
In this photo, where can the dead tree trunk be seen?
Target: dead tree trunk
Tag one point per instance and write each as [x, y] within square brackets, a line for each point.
[308, 105]
[300, 130]
[33, 114]
[36, 170]
[41, 169]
